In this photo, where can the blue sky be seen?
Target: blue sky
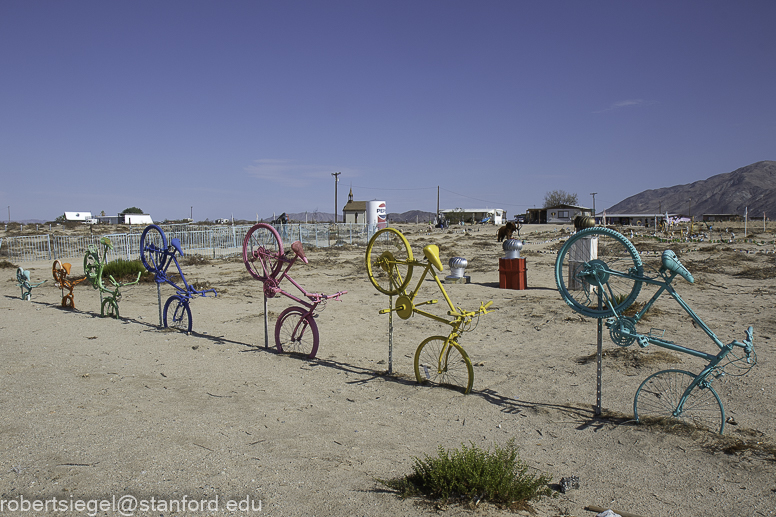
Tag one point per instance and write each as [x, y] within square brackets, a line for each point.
[247, 107]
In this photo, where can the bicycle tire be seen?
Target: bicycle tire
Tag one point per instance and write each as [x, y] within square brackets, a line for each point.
[68, 301]
[598, 254]
[262, 240]
[457, 372]
[56, 272]
[109, 308]
[389, 261]
[660, 394]
[153, 245]
[180, 317]
[296, 332]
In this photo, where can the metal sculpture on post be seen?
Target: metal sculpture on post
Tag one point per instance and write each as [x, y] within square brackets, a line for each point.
[23, 281]
[60, 271]
[439, 359]
[599, 274]
[512, 268]
[93, 267]
[157, 256]
[296, 330]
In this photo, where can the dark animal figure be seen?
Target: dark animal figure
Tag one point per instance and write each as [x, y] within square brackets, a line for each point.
[506, 231]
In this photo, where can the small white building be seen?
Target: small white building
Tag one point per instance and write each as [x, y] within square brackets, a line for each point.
[137, 219]
[84, 217]
[495, 216]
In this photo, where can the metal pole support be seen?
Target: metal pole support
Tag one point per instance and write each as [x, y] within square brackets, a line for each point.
[599, 355]
[159, 298]
[266, 324]
[390, 335]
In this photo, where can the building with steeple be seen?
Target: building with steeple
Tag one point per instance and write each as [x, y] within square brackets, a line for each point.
[354, 211]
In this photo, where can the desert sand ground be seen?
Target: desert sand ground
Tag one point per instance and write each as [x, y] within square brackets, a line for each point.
[95, 408]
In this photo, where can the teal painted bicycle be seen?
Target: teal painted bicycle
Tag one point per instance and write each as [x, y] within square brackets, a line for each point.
[599, 274]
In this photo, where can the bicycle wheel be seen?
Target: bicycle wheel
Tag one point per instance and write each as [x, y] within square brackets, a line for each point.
[68, 301]
[57, 272]
[262, 249]
[443, 366]
[598, 257]
[92, 268]
[296, 332]
[153, 244]
[110, 308]
[177, 313]
[659, 396]
[389, 261]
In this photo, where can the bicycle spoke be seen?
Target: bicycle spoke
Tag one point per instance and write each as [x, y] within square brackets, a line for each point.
[596, 263]
[389, 261]
[659, 399]
[442, 365]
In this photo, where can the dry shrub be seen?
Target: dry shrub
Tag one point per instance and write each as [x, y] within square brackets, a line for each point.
[633, 358]
[195, 260]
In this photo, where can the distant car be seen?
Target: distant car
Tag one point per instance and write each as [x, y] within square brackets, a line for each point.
[520, 218]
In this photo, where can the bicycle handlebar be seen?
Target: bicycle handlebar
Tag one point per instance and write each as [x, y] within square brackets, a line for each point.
[319, 297]
[747, 345]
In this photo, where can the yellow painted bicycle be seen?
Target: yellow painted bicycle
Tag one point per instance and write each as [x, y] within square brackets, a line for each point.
[439, 360]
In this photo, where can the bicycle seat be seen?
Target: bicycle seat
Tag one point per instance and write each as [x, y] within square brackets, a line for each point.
[672, 263]
[176, 243]
[432, 255]
[297, 248]
[106, 242]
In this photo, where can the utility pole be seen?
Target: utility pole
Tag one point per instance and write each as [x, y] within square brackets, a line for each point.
[191, 215]
[336, 180]
[593, 194]
[438, 221]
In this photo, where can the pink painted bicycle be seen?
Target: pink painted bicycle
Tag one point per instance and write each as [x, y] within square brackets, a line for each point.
[264, 257]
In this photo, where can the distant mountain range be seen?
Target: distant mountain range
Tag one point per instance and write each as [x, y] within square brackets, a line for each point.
[752, 187]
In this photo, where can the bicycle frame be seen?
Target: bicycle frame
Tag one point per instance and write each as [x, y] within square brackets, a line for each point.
[93, 272]
[667, 392]
[23, 281]
[168, 257]
[403, 308]
[390, 264]
[295, 330]
[274, 288]
[60, 271]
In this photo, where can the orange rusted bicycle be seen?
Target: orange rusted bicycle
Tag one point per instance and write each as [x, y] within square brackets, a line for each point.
[60, 271]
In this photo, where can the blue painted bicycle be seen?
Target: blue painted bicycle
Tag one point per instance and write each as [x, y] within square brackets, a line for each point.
[157, 256]
[599, 274]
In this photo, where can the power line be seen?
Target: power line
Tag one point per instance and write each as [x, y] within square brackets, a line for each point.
[382, 188]
[483, 200]
[446, 190]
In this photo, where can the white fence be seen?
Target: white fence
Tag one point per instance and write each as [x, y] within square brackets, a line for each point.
[211, 241]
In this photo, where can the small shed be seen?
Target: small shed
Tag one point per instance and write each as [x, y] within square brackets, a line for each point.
[78, 216]
[136, 218]
[354, 211]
